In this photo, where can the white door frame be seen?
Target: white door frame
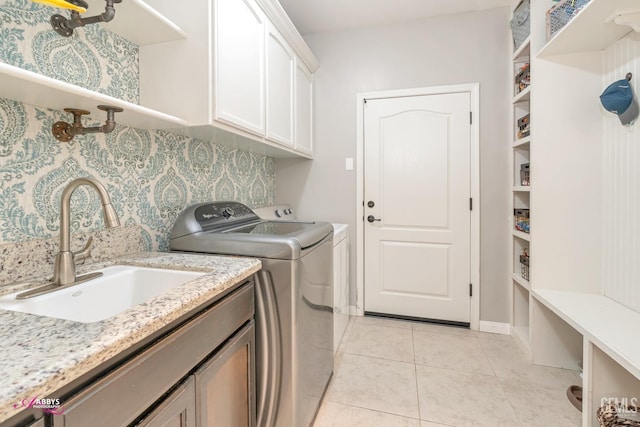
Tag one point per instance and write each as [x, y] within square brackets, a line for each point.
[473, 89]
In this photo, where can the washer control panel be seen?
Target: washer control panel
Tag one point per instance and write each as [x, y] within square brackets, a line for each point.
[214, 214]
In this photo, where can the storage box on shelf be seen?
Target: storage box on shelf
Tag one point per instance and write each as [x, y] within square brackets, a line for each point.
[560, 14]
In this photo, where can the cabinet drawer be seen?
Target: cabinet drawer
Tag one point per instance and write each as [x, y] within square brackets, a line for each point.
[140, 382]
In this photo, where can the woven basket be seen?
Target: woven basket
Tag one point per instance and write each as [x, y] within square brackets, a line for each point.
[560, 15]
[608, 416]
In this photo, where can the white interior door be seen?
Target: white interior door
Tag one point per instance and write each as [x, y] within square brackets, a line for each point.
[417, 187]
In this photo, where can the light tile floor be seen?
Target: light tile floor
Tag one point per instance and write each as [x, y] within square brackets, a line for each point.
[396, 373]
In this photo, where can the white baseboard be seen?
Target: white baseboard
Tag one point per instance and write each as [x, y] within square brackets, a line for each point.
[495, 327]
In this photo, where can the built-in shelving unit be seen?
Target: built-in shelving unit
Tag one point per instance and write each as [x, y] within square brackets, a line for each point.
[520, 241]
[560, 313]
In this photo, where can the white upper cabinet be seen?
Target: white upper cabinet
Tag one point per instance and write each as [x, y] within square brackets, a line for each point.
[239, 33]
[242, 77]
[304, 109]
[280, 88]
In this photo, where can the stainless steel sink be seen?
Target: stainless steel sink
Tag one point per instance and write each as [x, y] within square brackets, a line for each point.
[121, 287]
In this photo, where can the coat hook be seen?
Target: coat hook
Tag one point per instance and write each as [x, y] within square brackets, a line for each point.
[628, 76]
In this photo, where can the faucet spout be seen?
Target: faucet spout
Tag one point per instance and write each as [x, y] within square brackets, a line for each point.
[65, 269]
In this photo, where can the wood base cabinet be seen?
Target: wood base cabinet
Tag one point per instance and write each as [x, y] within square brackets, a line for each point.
[220, 393]
[199, 374]
[225, 385]
[177, 410]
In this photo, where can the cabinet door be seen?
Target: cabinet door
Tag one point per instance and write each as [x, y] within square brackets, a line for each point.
[239, 34]
[225, 385]
[280, 74]
[304, 109]
[177, 410]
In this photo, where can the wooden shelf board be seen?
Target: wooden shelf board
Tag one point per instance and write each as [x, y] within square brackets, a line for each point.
[41, 91]
[138, 22]
[522, 235]
[521, 282]
[611, 326]
[588, 31]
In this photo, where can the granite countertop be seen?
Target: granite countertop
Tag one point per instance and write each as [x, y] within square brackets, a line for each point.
[41, 354]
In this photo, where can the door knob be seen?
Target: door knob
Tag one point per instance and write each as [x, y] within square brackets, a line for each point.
[372, 218]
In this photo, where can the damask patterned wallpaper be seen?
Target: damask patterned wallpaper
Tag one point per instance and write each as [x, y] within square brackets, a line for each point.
[150, 175]
[93, 58]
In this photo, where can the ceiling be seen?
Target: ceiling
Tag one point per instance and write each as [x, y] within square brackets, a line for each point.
[314, 16]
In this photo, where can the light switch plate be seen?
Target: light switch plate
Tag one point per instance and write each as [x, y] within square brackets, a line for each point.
[348, 164]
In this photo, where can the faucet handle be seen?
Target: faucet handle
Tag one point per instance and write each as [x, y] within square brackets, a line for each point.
[81, 256]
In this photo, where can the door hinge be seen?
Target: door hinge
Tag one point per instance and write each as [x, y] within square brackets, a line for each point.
[470, 117]
[470, 289]
[364, 100]
[470, 203]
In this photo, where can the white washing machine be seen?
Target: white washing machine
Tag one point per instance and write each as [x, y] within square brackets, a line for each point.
[340, 267]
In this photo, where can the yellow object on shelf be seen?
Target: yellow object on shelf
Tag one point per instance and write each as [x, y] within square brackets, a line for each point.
[62, 4]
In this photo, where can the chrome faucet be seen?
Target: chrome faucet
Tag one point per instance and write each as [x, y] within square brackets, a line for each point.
[64, 273]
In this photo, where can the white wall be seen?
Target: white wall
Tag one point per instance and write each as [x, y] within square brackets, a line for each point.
[621, 236]
[453, 49]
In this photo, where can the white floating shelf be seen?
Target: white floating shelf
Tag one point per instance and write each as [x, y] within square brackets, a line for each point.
[523, 51]
[522, 143]
[35, 89]
[522, 188]
[588, 31]
[523, 96]
[138, 22]
[521, 282]
[522, 235]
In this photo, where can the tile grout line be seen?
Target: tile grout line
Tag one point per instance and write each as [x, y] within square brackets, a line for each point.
[375, 410]
[415, 373]
[500, 382]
